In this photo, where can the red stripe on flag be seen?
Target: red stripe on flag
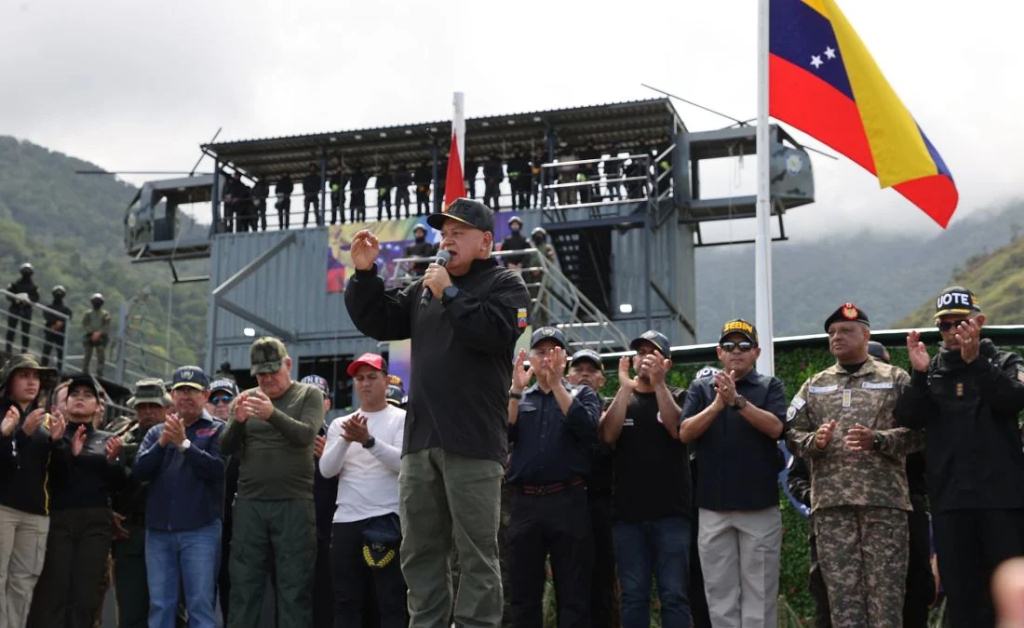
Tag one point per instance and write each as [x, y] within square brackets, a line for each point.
[454, 182]
[937, 196]
[800, 98]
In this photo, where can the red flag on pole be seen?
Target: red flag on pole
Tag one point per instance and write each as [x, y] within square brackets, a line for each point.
[454, 182]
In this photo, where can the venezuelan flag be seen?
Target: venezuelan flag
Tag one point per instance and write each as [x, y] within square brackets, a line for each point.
[823, 81]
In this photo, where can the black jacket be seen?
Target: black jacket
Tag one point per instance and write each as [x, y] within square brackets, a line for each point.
[974, 454]
[311, 184]
[24, 465]
[461, 354]
[26, 285]
[58, 305]
[87, 480]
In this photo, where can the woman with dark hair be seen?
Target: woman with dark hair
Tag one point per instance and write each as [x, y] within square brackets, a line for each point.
[25, 446]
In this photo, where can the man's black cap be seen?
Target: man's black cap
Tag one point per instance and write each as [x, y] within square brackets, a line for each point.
[656, 338]
[587, 355]
[847, 312]
[467, 211]
[548, 333]
[956, 300]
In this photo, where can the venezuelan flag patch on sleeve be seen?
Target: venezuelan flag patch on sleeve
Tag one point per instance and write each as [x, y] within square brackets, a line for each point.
[522, 318]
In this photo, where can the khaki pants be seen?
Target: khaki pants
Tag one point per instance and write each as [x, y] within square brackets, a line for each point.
[448, 499]
[739, 555]
[22, 552]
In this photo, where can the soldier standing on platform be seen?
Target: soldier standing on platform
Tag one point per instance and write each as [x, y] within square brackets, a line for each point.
[20, 310]
[56, 326]
[96, 324]
[842, 422]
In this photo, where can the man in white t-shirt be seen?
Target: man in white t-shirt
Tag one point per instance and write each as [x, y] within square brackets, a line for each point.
[364, 450]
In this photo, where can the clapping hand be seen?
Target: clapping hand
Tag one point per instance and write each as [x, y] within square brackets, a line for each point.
[33, 421]
[859, 438]
[625, 381]
[918, 353]
[113, 448]
[824, 434]
[10, 422]
[258, 405]
[522, 373]
[655, 366]
[968, 333]
[58, 425]
[354, 430]
[78, 440]
[725, 386]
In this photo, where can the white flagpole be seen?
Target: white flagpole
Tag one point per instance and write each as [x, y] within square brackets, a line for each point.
[763, 237]
[459, 126]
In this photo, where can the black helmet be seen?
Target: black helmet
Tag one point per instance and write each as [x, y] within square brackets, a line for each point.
[59, 291]
[26, 269]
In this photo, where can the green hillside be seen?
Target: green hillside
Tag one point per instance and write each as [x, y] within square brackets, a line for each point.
[998, 281]
[69, 227]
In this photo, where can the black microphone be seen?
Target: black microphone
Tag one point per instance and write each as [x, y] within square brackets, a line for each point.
[441, 260]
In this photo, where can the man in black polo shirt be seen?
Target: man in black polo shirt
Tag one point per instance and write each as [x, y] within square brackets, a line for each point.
[734, 420]
[552, 429]
[652, 487]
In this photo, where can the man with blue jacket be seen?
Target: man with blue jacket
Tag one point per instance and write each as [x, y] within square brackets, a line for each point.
[181, 460]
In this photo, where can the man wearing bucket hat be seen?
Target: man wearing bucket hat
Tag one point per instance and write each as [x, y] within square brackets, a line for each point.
[553, 430]
[25, 448]
[364, 452]
[180, 458]
[464, 320]
[272, 429]
[150, 404]
[967, 397]
[842, 423]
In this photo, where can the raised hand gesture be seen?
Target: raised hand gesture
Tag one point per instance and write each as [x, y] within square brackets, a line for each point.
[33, 421]
[824, 434]
[918, 353]
[655, 366]
[968, 333]
[78, 440]
[625, 381]
[113, 448]
[364, 250]
[10, 422]
[57, 426]
[521, 373]
[725, 386]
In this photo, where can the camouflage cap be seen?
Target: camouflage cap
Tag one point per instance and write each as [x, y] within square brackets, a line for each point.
[150, 390]
[25, 361]
[266, 355]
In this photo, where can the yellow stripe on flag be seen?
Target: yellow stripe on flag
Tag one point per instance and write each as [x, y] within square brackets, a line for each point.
[896, 143]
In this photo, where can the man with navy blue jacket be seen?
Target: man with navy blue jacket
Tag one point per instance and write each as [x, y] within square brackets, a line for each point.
[181, 460]
[733, 420]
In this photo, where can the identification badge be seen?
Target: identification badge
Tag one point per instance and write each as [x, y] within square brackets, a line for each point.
[822, 390]
[847, 397]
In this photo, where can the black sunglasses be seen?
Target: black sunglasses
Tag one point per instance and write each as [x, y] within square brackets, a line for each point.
[947, 325]
[221, 399]
[729, 346]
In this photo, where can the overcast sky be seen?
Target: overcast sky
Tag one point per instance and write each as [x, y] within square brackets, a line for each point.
[138, 85]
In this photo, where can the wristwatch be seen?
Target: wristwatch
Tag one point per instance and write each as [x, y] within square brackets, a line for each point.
[876, 442]
[515, 395]
[185, 444]
[448, 294]
[739, 403]
[370, 442]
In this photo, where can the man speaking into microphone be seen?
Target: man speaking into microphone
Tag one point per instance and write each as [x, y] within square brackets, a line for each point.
[464, 318]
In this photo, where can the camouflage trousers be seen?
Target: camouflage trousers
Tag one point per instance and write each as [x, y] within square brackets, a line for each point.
[862, 552]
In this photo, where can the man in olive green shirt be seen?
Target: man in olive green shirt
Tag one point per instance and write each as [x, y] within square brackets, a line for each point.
[271, 429]
[96, 325]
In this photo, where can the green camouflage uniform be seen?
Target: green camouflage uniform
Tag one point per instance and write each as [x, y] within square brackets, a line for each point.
[93, 321]
[859, 500]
